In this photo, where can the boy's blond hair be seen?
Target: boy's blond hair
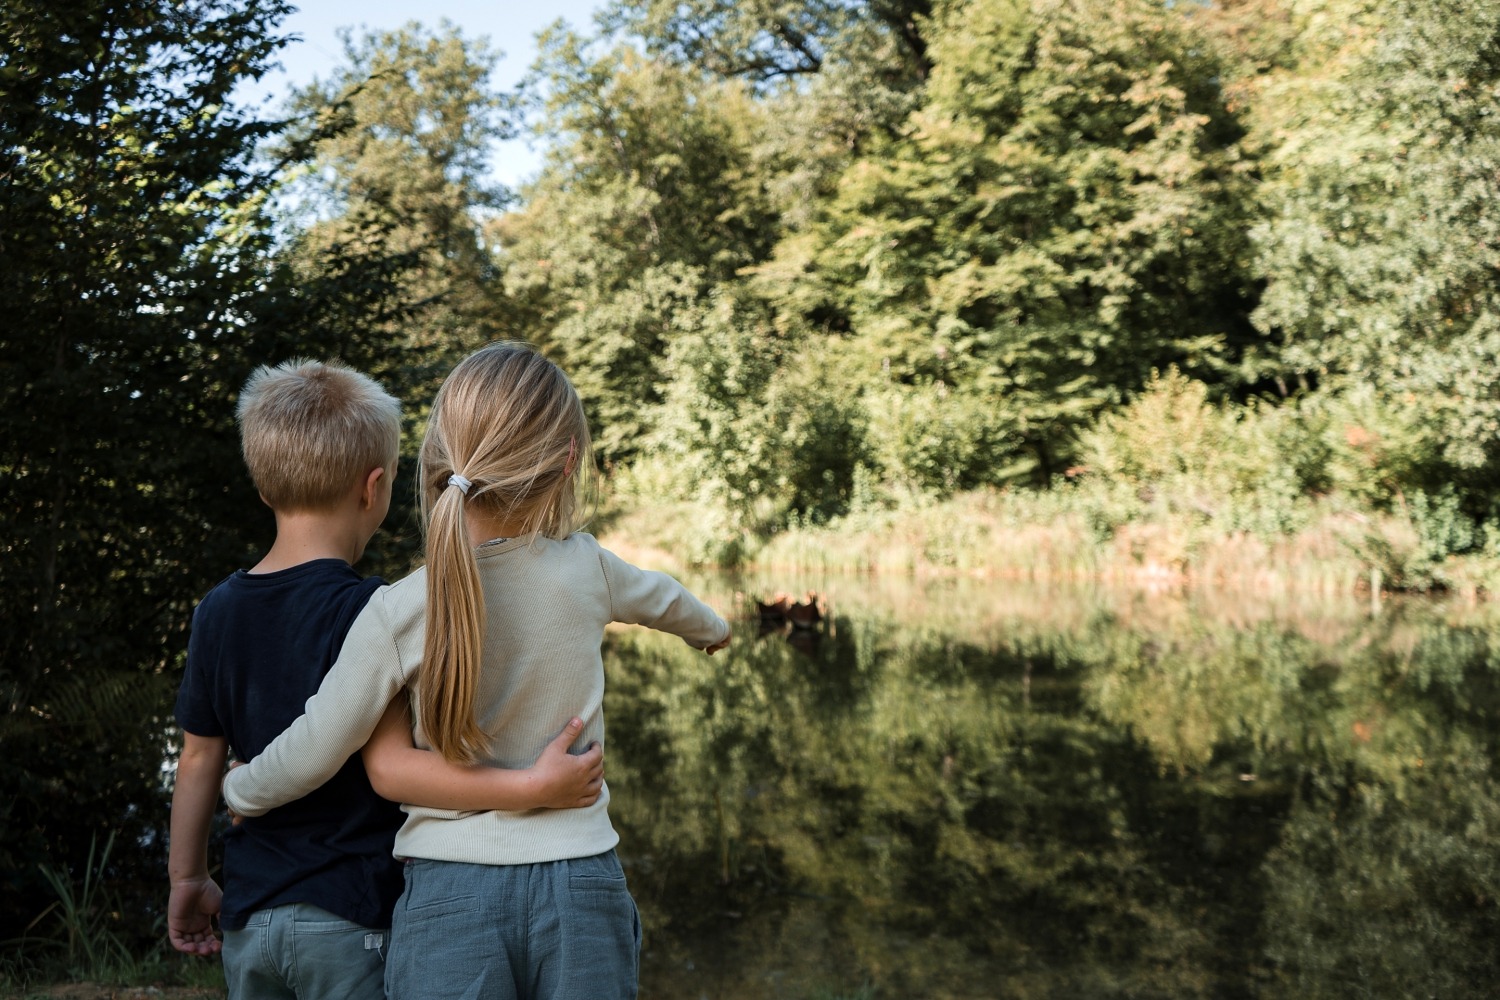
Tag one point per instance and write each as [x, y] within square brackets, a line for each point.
[310, 430]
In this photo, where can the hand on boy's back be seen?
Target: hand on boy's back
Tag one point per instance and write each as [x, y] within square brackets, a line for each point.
[568, 780]
[191, 909]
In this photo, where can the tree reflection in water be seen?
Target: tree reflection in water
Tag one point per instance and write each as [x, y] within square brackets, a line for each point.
[964, 791]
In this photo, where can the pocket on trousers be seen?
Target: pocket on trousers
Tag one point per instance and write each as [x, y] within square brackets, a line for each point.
[601, 873]
[434, 891]
[441, 907]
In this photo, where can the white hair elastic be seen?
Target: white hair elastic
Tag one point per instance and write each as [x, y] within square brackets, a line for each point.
[459, 481]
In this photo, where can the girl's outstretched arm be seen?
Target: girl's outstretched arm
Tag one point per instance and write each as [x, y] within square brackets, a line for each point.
[402, 773]
[645, 597]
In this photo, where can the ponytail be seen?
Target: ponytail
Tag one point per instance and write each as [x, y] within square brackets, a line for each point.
[452, 645]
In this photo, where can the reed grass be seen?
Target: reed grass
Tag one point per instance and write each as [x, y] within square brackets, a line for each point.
[81, 937]
[81, 913]
[1319, 548]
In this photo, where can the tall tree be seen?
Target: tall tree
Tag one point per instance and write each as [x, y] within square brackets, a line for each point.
[1063, 214]
[776, 40]
[400, 138]
[830, 74]
[651, 196]
[128, 241]
[1382, 238]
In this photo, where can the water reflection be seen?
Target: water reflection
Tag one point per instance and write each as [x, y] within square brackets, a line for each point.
[965, 790]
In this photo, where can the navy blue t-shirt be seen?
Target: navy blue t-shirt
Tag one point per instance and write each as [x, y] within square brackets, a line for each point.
[260, 645]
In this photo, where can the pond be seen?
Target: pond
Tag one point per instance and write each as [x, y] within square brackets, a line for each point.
[966, 789]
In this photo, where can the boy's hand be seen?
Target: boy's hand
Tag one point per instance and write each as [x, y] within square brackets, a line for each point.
[565, 780]
[721, 644]
[191, 909]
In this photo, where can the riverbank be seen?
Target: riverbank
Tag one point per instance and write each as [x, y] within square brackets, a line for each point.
[1075, 534]
[153, 973]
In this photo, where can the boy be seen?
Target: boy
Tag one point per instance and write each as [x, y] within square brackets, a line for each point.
[310, 887]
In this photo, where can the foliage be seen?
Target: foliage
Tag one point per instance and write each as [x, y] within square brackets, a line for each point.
[86, 934]
[399, 137]
[648, 202]
[773, 40]
[976, 267]
[762, 438]
[993, 246]
[1381, 235]
[127, 260]
[1252, 467]
[1298, 492]
[1056, 219]
[150, 275]
[382, 218]
[382, 260]
[92, 948]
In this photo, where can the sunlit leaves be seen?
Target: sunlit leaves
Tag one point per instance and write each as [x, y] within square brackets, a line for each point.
[1382, 236]
[1062, 213]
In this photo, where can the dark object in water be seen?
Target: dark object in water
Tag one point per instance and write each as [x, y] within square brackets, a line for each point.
[804, 614]
[774, 611]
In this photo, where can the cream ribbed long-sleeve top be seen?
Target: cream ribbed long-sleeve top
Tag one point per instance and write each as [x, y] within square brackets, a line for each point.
[547, 603]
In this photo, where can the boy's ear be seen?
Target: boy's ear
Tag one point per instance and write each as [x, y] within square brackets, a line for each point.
[369, 490]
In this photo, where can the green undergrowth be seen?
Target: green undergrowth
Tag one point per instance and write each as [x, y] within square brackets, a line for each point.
[1325, 494]
[90, 932]
[1070, 533]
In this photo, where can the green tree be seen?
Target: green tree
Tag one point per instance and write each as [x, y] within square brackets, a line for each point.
[1382, 232]
[752, 418]
[1256, 37]
[770, 40]
[1064, 213]
[650, 198]
[399, 138]
[752, 433]
[129, 241]
[830, 74]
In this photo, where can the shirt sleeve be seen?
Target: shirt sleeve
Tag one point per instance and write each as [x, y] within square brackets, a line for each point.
[336, 721]
[646, 597]
[195, 708]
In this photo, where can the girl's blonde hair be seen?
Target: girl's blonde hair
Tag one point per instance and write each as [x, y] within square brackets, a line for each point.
[509, 422]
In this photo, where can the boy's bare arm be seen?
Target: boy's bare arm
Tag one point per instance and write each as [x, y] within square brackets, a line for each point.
[402, 773]
[195, 898]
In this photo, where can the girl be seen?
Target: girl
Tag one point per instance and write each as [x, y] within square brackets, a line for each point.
[498, 638]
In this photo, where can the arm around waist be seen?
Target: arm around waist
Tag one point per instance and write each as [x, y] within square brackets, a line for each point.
[335, 723]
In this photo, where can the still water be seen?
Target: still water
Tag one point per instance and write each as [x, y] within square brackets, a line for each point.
[972, 789]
